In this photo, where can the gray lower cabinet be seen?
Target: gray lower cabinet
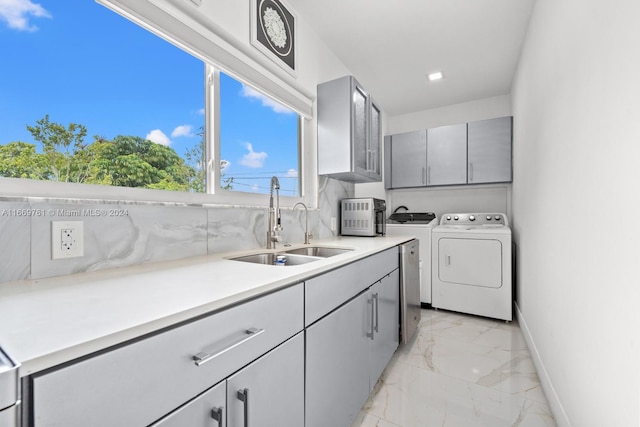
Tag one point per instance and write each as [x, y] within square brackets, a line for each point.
[337, 375]
[347, 350]
[489, 147]
[447, 155]
[270, 391]
[139, 383]
[267, 393]
[386, 337]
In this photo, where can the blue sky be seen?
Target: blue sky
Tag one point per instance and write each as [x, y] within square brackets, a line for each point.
[80, 62]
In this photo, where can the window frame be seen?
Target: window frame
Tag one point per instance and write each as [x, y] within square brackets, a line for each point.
[213, 142]
[145, 16]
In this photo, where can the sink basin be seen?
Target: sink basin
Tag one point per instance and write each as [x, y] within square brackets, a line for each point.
[318, 251]
[269, 258]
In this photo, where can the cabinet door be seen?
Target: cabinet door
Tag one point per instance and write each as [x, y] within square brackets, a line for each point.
[375, 141]
[490, 151]
[409, 159]
[447, 155]
[337, 375]
[270, 391]
[385, 296]
[207, 410]
[360, 124]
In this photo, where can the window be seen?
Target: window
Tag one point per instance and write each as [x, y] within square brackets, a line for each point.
[93, 98]
[259, 138]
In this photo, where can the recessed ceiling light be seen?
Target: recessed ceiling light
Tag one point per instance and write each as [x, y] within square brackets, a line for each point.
[435, 76]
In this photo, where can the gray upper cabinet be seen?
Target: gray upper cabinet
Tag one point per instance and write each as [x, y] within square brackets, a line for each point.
[447, 155]
[490, 151]
[470, 153]
[406, 159]
[349, 132]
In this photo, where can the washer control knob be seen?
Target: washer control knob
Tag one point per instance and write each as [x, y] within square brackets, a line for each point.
[488, 217]
[472, 218]
[456, 217]
[448, 217]
[497, 217]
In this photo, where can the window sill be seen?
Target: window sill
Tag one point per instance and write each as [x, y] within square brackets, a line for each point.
[34, 190]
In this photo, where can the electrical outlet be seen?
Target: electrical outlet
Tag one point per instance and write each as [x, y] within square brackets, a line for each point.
[67, 239]
[333, 223]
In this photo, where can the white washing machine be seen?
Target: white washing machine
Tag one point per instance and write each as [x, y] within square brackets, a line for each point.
[419, 225]
[471, 265]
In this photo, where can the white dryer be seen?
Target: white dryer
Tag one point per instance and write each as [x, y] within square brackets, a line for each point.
[471, 265]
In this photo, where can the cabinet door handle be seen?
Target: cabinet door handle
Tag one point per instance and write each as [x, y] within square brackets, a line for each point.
[243, 396]
[217, 414]
[370, 334]
[377, 300]
[470, 172]
[204, 357]
[424, 175]
[428, 175]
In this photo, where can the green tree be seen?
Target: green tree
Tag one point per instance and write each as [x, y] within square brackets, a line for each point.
[126, 161]
[63, 149]
[20, 160]
[131, 161]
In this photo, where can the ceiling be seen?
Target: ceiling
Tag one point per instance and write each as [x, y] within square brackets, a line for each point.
[390, 46]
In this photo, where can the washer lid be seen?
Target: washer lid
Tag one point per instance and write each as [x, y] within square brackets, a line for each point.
[411, 217]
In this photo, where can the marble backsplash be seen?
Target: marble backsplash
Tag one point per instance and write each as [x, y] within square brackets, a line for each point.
[118, 235]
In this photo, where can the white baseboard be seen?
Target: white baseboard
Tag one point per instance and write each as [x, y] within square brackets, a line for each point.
[560, 415]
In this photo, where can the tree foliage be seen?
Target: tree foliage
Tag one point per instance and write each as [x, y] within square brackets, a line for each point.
[126, 161]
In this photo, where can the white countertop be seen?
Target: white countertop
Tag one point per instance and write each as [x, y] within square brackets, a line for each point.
[47, 322]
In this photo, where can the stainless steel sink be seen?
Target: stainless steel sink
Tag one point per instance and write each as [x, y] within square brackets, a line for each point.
[270, 258]
[318, 251]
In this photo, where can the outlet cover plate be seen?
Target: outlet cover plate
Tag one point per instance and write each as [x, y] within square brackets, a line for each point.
[67, 239]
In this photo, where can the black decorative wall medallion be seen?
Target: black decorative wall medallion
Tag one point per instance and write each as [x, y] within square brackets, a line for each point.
[273, 32]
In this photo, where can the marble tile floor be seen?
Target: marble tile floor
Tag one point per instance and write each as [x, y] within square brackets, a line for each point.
[459, 371]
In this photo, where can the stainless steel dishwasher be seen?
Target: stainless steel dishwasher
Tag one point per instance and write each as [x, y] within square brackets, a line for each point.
[9, 395]
[409, 289]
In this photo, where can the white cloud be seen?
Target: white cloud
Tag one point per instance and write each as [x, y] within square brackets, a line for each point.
[182, 130]
[249, 92]
[292, 173]
[157, 136]
[16, 13]
[253, 159]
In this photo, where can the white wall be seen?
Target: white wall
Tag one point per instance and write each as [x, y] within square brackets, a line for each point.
[485, 198]
[576, 194]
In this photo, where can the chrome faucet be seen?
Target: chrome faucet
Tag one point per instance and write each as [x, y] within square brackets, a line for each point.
[307, 235]
[275, 220]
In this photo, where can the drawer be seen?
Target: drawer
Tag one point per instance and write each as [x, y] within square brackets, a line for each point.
[326, 292]
[136, 384]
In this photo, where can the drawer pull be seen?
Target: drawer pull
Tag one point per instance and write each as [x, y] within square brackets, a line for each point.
[217, 415]
[204, 357]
